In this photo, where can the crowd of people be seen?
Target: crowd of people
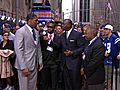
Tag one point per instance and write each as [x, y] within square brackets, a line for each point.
[58, 55]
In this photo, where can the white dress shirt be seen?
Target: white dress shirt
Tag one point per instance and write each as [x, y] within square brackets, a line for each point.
[68, 33]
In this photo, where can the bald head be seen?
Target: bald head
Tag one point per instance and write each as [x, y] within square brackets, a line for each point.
[90, 32]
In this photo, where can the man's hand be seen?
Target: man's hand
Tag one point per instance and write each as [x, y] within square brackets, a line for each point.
[25, 72]
[118, 56]
[40, 66]
[82, 71]
[68, 53]
[45, 38]
[106, 54]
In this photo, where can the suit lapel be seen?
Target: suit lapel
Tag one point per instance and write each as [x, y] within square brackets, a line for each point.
[28, 32]
[70, 34]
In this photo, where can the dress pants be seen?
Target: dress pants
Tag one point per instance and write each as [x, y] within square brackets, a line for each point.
[71, 79]
[28, 83]
[96, 87]
[49, 77]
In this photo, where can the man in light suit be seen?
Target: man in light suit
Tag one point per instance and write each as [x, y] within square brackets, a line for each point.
[28, 54]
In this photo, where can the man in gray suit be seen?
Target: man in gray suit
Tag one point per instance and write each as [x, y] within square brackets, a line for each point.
[28, 53]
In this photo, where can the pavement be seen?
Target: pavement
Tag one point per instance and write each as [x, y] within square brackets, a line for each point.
[114, 82]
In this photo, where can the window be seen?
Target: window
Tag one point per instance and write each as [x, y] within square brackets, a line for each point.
[84, 10]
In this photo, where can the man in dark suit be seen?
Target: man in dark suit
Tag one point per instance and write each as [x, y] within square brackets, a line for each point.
[50, 54]
[93, 64]
[72, 45]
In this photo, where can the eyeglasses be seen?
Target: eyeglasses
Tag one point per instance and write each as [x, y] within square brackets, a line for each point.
[50, 27]
[5, 35]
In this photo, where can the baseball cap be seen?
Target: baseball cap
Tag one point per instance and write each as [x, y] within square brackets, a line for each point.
[108, 26]
[103, 25]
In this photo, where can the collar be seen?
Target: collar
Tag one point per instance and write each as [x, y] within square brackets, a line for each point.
[30, 29]
[92, 40]
[52, 35]
[68, 32]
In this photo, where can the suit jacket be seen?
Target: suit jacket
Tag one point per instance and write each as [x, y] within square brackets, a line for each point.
[48, 56]
[75, 43]
[94, 62]
[28, 54]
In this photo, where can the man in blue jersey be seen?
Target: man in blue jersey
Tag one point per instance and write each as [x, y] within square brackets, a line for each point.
[111, 52]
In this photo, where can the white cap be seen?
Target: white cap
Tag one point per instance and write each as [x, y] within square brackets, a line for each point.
[109, 27]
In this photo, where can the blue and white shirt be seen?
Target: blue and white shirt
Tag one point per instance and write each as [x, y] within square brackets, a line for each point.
[111, 47]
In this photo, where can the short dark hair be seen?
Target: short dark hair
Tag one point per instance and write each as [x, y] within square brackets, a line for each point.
[7, 25]
[3, 32]
[69, 20]
[30, 16]
[92, 28]
[58, 25]
[52, 23]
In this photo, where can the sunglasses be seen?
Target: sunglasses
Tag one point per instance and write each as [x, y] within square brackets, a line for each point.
[50, 27]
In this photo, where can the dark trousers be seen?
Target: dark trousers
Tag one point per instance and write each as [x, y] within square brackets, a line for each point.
[49, 77]
[72, 79]
[96, 87]
[3, 84]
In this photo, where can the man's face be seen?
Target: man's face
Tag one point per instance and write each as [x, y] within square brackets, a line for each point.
[79, 30]
[102, 32]
[34, 22]
[107, 31]
[88, 34]
[59, 29]
[97, 26]
[39, 27]
[6, 29]
[66, 25]
[50, 27]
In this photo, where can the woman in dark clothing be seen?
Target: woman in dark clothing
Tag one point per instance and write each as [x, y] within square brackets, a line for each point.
[6, 50]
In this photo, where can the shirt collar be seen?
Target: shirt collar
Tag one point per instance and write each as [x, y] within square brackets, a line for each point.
[30, 29]
[68, 32]
[92, 40]
[52, 35]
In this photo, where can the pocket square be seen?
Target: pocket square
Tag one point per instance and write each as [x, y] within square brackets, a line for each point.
[72, 40]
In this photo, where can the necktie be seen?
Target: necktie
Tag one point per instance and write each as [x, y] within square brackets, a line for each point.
[34, 34]
[67, 34]
[50, 36]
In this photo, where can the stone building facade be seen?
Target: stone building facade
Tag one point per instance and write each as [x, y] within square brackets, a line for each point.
[8, 7]
[93, 11]
[57, 7]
